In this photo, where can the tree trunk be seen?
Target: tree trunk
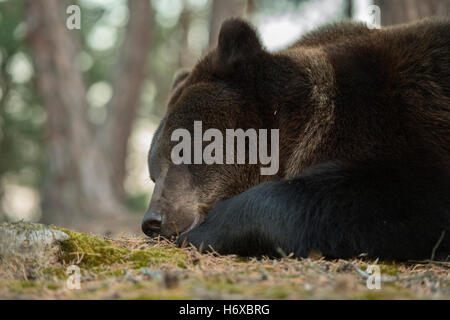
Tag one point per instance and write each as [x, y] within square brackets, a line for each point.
[128, 82]
[185, 58]
[402, 11]
[348, 9]
[80, 186]
[249, 9]
[221, 10]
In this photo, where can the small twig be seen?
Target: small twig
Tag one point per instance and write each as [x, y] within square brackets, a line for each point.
[184, 243]
[427, 261]
[176, 229]
[433, 253]
[437, 245]
[282, 253]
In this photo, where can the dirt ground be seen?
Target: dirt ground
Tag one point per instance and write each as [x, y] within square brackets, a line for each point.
[139, 268]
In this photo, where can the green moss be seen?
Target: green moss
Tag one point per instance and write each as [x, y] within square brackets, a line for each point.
[26, 284]
[59, 273]
[155, 256]
[21, 286]
[90, 252]
[53, 287]
[115, 273]
[389, 269]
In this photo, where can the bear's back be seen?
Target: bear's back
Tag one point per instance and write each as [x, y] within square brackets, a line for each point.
[390, 98]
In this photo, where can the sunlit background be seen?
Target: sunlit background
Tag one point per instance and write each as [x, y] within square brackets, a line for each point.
[180, 31]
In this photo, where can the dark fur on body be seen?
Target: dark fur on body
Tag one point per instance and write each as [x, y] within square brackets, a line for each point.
[364, 119]
[383, 210]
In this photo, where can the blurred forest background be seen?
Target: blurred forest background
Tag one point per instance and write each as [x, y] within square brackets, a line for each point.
[78, 107]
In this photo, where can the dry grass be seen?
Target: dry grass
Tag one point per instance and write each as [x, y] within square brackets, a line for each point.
[186, 274]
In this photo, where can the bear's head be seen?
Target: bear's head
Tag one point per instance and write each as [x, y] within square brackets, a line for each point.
[228, 89]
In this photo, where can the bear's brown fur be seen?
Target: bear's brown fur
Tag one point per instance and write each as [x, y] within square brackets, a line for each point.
[364, 120]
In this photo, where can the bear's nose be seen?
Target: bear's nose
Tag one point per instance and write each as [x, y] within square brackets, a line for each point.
[151, 224]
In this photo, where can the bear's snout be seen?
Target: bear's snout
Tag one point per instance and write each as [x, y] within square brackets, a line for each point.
[151, 224]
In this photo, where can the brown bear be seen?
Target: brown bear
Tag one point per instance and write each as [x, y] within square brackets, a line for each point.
[363, 117]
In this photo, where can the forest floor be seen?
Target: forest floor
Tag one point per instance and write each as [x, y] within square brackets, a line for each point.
[140, 268]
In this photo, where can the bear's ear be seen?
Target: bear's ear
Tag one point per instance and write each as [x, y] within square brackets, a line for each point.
[238, 42]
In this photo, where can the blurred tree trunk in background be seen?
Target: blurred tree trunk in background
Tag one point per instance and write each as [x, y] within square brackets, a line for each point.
[185, 58]
[249, 9]
[86, 165]
[221, 10]
[348, 9]
[401, 11]
[129, 79]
